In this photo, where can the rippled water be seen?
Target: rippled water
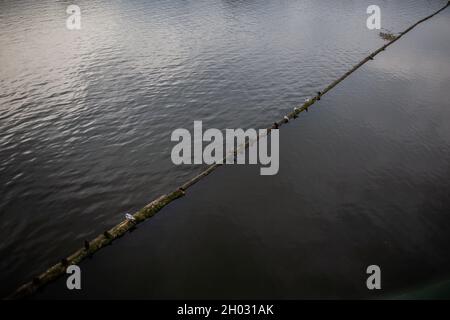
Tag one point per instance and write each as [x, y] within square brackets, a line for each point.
[86, 116]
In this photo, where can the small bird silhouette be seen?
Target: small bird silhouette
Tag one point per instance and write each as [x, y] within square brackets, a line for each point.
[129, 217]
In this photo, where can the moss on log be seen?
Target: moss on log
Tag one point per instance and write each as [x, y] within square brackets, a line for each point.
[152, 208]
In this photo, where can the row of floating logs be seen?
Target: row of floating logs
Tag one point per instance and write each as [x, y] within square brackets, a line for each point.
[107, 237]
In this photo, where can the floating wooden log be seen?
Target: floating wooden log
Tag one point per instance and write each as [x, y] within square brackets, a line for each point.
[90, 247]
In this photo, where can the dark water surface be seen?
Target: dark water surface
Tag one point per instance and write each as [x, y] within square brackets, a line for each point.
[86, 117]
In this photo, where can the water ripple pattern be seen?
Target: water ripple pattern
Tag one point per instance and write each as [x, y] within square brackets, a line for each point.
[86, 116]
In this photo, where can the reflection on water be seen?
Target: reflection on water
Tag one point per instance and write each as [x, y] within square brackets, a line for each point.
[85, 120]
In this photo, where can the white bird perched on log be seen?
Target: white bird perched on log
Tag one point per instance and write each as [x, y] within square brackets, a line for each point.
[129, 217]
[307, 100]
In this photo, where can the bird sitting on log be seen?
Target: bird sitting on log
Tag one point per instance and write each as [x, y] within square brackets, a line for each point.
[130, 217]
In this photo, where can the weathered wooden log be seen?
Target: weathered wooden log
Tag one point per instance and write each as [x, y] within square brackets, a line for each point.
[89, 248]
[152, 208]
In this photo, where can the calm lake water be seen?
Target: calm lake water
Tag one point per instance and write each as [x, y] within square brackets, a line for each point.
[85, 123]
